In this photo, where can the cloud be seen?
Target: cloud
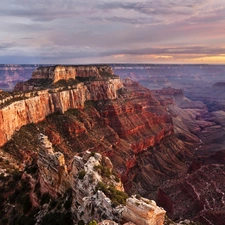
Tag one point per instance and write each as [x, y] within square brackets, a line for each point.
[45, 10]
[54, 30]
[166, 11]
[4, 46]
[127, 20]
[67, 55]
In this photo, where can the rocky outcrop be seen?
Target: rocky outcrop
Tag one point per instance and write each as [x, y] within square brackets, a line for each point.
[60, 72]
[90, 187]
[143, 212]
[83, 177]
[55, 73]
[53, 170]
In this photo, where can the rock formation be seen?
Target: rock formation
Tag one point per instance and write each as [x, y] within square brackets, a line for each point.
[88, 184]
[45, 76]
[53, 170]
[21, 109]
[143, 212]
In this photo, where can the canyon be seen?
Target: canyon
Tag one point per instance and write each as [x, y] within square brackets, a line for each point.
[157, 141]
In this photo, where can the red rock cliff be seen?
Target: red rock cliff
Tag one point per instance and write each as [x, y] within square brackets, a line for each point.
[33, 107]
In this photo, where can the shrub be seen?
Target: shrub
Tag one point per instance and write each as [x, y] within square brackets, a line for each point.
[11, 184]
[105, 172]
[16, 175]
[117, 197]
[92, 154]
[81, 222]
[53, 204]
[81, 174]
[68, 204]
[25, 220]
[93, 222]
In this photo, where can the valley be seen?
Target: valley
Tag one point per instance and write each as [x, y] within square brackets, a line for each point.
[165, 143]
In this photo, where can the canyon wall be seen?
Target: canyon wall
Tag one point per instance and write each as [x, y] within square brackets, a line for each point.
[25, 108]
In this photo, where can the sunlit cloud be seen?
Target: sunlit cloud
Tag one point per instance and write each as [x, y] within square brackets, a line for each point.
[216, 59]
[69, 31]
[119, 56]
[163, 57]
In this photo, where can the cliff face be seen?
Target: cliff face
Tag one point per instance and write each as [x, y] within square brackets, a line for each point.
[83, 176]
[56, 73]
[38, 105]
[143, 211]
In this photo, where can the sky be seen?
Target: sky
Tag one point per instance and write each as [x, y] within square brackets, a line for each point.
[105, 31]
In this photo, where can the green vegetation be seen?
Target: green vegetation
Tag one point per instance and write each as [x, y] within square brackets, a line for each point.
[89, 104]
[103, 170]
[93, 222]
[27, 205]
[26, 139]
[92, 154]
[117, 197]
[81, 174]
[4, 94]
[81, 222]
[74, 112]
[86, 79]
[24, 220]
[107, 75]
[64, 83]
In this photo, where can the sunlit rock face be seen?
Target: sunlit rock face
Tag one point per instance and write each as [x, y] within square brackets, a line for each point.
[143, 212]
[56, 73]
[24, 108]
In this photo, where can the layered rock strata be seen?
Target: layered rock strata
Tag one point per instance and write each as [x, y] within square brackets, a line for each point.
[21, 109]
[198, 196]
[53, 170]
[143, 212]
[61, 72]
